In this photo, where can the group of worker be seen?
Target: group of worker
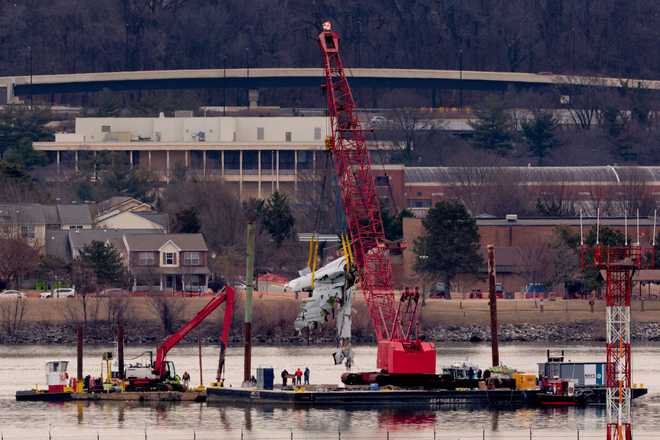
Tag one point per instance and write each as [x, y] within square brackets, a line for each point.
[296, 377]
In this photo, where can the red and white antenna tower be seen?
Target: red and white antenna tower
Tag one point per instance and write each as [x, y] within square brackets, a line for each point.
[619, 264]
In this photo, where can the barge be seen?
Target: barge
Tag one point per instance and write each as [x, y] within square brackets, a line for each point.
[329, 395]
[384, 397]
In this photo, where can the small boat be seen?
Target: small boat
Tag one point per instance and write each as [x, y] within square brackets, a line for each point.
[59, 385]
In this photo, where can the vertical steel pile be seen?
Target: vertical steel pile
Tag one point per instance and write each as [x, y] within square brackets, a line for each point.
[492, 296]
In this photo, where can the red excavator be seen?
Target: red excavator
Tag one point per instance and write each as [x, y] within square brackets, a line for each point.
[161, 374]
[403, 357]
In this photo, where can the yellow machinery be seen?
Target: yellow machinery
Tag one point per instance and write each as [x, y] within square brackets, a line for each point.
[525, 381]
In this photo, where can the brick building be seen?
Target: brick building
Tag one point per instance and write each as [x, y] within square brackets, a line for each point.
[516, 241]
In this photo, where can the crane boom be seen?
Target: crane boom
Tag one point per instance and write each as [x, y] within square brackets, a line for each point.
[228, 298]
[397, 353]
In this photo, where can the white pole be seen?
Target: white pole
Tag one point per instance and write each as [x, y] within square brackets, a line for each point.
[625, 226]
[637, 226]
[655, 214]
[597, 225]
[581, 234]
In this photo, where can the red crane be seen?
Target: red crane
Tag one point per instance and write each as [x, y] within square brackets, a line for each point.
[398, 352]
[162, 370]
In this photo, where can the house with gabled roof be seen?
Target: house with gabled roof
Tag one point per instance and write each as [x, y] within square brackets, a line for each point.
[167, 262]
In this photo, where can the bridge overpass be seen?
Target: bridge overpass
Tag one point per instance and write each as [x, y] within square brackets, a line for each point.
[256, 78]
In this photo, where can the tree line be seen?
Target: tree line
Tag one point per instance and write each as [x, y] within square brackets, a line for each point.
[617, 37]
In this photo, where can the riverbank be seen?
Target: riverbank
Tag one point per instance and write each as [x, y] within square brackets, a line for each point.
[54, 321]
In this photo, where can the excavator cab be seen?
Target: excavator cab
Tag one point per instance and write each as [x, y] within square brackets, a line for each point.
[170, 372]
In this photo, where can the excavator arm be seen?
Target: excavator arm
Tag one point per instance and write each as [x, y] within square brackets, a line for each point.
[226, 297]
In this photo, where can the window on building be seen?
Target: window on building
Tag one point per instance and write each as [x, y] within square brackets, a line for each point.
[419, 203]
[382, 180]
[192, 259]
[250, 161]
[232, 161]
[260, 133]
[287, 136]
[27, 232]
[267, 161]
[305, 160]
[146, 259]
[287, 160]
[317, 133]
[169, 258]
[105, 129]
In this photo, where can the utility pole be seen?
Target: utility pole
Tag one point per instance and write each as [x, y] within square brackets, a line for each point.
[79, 359]
[249, 275]
[31, 74]
[247, 75]
[224, 85]
[460, 89]
[492, 302]
[120, 348]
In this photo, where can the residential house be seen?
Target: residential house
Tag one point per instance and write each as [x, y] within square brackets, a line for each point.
[24, 220]
[129, 213]
[33, 222]
[74, 217]
[175, 262]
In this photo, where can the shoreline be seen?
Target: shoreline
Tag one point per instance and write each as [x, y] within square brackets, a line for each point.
[54, 321]
[102, 334]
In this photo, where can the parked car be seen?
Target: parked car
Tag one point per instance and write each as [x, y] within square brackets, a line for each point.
[535, 290]
[439, 290]
[61, 292]
[12, 294]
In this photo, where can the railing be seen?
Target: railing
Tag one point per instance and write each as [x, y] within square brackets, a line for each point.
[64, 433]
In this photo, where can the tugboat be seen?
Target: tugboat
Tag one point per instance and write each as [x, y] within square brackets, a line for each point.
[559, 392]
[563, 382]
[59, 385]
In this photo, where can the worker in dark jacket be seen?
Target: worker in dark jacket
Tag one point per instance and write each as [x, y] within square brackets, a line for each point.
[306, 375]
[285, 377]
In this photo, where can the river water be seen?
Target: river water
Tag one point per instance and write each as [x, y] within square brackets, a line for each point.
[23, 367]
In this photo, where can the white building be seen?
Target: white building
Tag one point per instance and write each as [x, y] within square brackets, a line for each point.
[257, 154]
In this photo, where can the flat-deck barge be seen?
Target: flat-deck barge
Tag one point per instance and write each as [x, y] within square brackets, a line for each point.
[335, 396]
[332, 396]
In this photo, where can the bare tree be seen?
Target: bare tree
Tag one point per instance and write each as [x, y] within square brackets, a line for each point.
[12, 312]
[490, 190]
[168, 309]
[118, 309]
[634, 192]
[17, 258]
[584, 99]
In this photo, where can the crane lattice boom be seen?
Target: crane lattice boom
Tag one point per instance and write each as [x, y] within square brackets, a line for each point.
[365, 225]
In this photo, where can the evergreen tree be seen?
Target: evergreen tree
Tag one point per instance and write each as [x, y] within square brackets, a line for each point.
[276, 217]
[449, 244]
[539, 133]
[20, 127]
[492, 128]
[186, 221]
[393, 225]
[104, 261]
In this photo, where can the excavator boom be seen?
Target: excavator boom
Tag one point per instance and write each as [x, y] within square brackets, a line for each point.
[226, 297]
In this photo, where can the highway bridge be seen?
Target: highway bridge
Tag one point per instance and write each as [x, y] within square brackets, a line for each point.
[256, 78]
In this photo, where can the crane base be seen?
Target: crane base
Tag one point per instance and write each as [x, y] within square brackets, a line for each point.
[406, 357]
[429, 381]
